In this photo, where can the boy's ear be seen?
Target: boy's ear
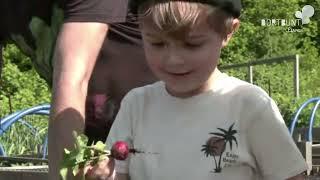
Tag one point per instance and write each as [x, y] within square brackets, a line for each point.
[235, 25]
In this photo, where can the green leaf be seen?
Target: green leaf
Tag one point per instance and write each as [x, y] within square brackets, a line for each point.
[66, 151]
[100, 146]
[102, 157]
[81, 140]
[82, 155]
[64, 173]
[75, 170]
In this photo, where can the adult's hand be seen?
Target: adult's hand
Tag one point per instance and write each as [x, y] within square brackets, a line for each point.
[102, 170]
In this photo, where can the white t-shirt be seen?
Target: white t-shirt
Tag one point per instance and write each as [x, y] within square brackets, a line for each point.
[232, 132]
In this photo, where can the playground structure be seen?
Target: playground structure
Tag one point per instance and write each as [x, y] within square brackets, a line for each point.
[308, 139]
[39, 172]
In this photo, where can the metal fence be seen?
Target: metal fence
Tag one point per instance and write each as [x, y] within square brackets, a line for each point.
[251, 64]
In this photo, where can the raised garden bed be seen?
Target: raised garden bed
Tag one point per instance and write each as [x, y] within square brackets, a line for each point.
[23, 168]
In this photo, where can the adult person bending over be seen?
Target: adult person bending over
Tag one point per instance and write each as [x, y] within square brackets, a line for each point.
[121, 67]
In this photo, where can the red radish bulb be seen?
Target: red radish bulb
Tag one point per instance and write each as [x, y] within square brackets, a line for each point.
[120, 150]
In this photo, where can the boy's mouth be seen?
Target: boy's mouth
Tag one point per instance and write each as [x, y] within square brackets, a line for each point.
[180, 74]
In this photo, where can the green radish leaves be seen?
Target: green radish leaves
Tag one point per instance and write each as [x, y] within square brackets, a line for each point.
[82, 155]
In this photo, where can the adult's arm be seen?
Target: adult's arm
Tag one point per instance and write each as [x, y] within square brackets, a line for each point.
[77, 48]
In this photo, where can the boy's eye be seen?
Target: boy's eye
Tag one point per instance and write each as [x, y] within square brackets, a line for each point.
[193, 45]
[157, 44]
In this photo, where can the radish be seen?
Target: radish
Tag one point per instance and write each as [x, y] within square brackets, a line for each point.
[120, 150]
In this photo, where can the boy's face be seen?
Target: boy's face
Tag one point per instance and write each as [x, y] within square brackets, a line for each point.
[183, 60]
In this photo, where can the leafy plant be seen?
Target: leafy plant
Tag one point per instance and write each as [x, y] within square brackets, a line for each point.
[82, 155]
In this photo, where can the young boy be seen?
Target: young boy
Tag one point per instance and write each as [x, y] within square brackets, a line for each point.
[198, 123]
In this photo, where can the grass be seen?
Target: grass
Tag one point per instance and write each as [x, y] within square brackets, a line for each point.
[19, 140]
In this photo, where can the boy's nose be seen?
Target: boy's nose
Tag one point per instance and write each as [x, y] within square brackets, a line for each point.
[174, 59]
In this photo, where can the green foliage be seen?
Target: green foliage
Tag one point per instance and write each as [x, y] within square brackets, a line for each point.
[20, 83]
[82, 155]
[45, 38]
[254, 41]
[20, 140]
[21, 88]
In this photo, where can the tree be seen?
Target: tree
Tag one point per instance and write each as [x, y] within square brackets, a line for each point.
[20, 83]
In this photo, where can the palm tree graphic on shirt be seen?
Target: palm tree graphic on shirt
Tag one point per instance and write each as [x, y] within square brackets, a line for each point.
[216, 145]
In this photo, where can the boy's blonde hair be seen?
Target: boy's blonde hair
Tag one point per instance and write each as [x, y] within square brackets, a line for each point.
[174, 16]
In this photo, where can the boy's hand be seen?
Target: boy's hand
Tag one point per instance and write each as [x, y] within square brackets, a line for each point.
[102, 170]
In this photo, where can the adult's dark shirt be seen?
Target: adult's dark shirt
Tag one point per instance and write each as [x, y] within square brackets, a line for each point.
[121, 63]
